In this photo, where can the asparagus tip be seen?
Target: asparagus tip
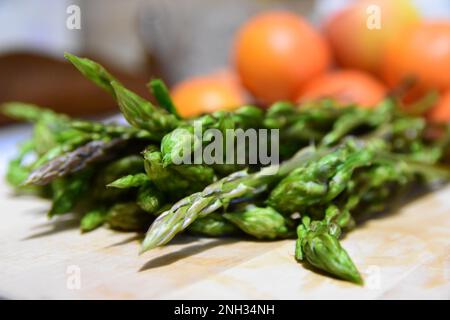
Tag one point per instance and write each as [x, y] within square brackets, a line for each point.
[144, 248]
[353, 276]
[115, 85]
[71, 57]
[358, 280]
[147, 244]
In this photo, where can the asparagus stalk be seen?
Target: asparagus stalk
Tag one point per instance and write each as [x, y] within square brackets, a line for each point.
[72, 161]
[322, 250]
[217, 195]
[329, 186]
[139, 112]
[93, 219]
[262, 223]
[127, 216]
[213, 225]
[162, 95]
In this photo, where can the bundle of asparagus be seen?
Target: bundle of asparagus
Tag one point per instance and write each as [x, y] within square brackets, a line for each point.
[340, 163]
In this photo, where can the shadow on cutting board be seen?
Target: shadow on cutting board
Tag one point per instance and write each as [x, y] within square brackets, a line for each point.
[54, 227]
[185, 252]
[393, 208]
[134, 237]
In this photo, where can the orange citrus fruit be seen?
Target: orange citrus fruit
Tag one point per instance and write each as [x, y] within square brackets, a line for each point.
[441, 112]
[421, 54]
[346, 87]
[204, 94]
[359, 33]
[277, 52]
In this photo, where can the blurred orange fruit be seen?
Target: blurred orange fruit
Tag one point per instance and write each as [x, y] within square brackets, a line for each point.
[423, 54]
[346, 87]
[276, 53]
[204, 94]
[355, 38]
[441, 112]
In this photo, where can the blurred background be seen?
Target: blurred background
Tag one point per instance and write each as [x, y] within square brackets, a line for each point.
[135, 39]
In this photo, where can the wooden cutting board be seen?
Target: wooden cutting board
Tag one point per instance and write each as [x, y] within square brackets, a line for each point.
[405, 254]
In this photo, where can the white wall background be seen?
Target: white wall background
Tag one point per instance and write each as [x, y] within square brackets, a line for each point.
[109, 27]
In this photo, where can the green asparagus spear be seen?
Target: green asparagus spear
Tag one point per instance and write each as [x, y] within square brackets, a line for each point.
[162, 95]
[262, 223]
[132, 164]
[329, 187]
[323, 250]
[112, 130]
[213, 225]
[178, 180]
[308, 185]
[127, 216]
[93, 219]
[181, 143]
[217, 195]
[150, 199]
[51, 130]
[17, 171]
[357, 117]
[130, 181]
[141, 113]
[67, 192]
[93, 71]
[71, 162]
